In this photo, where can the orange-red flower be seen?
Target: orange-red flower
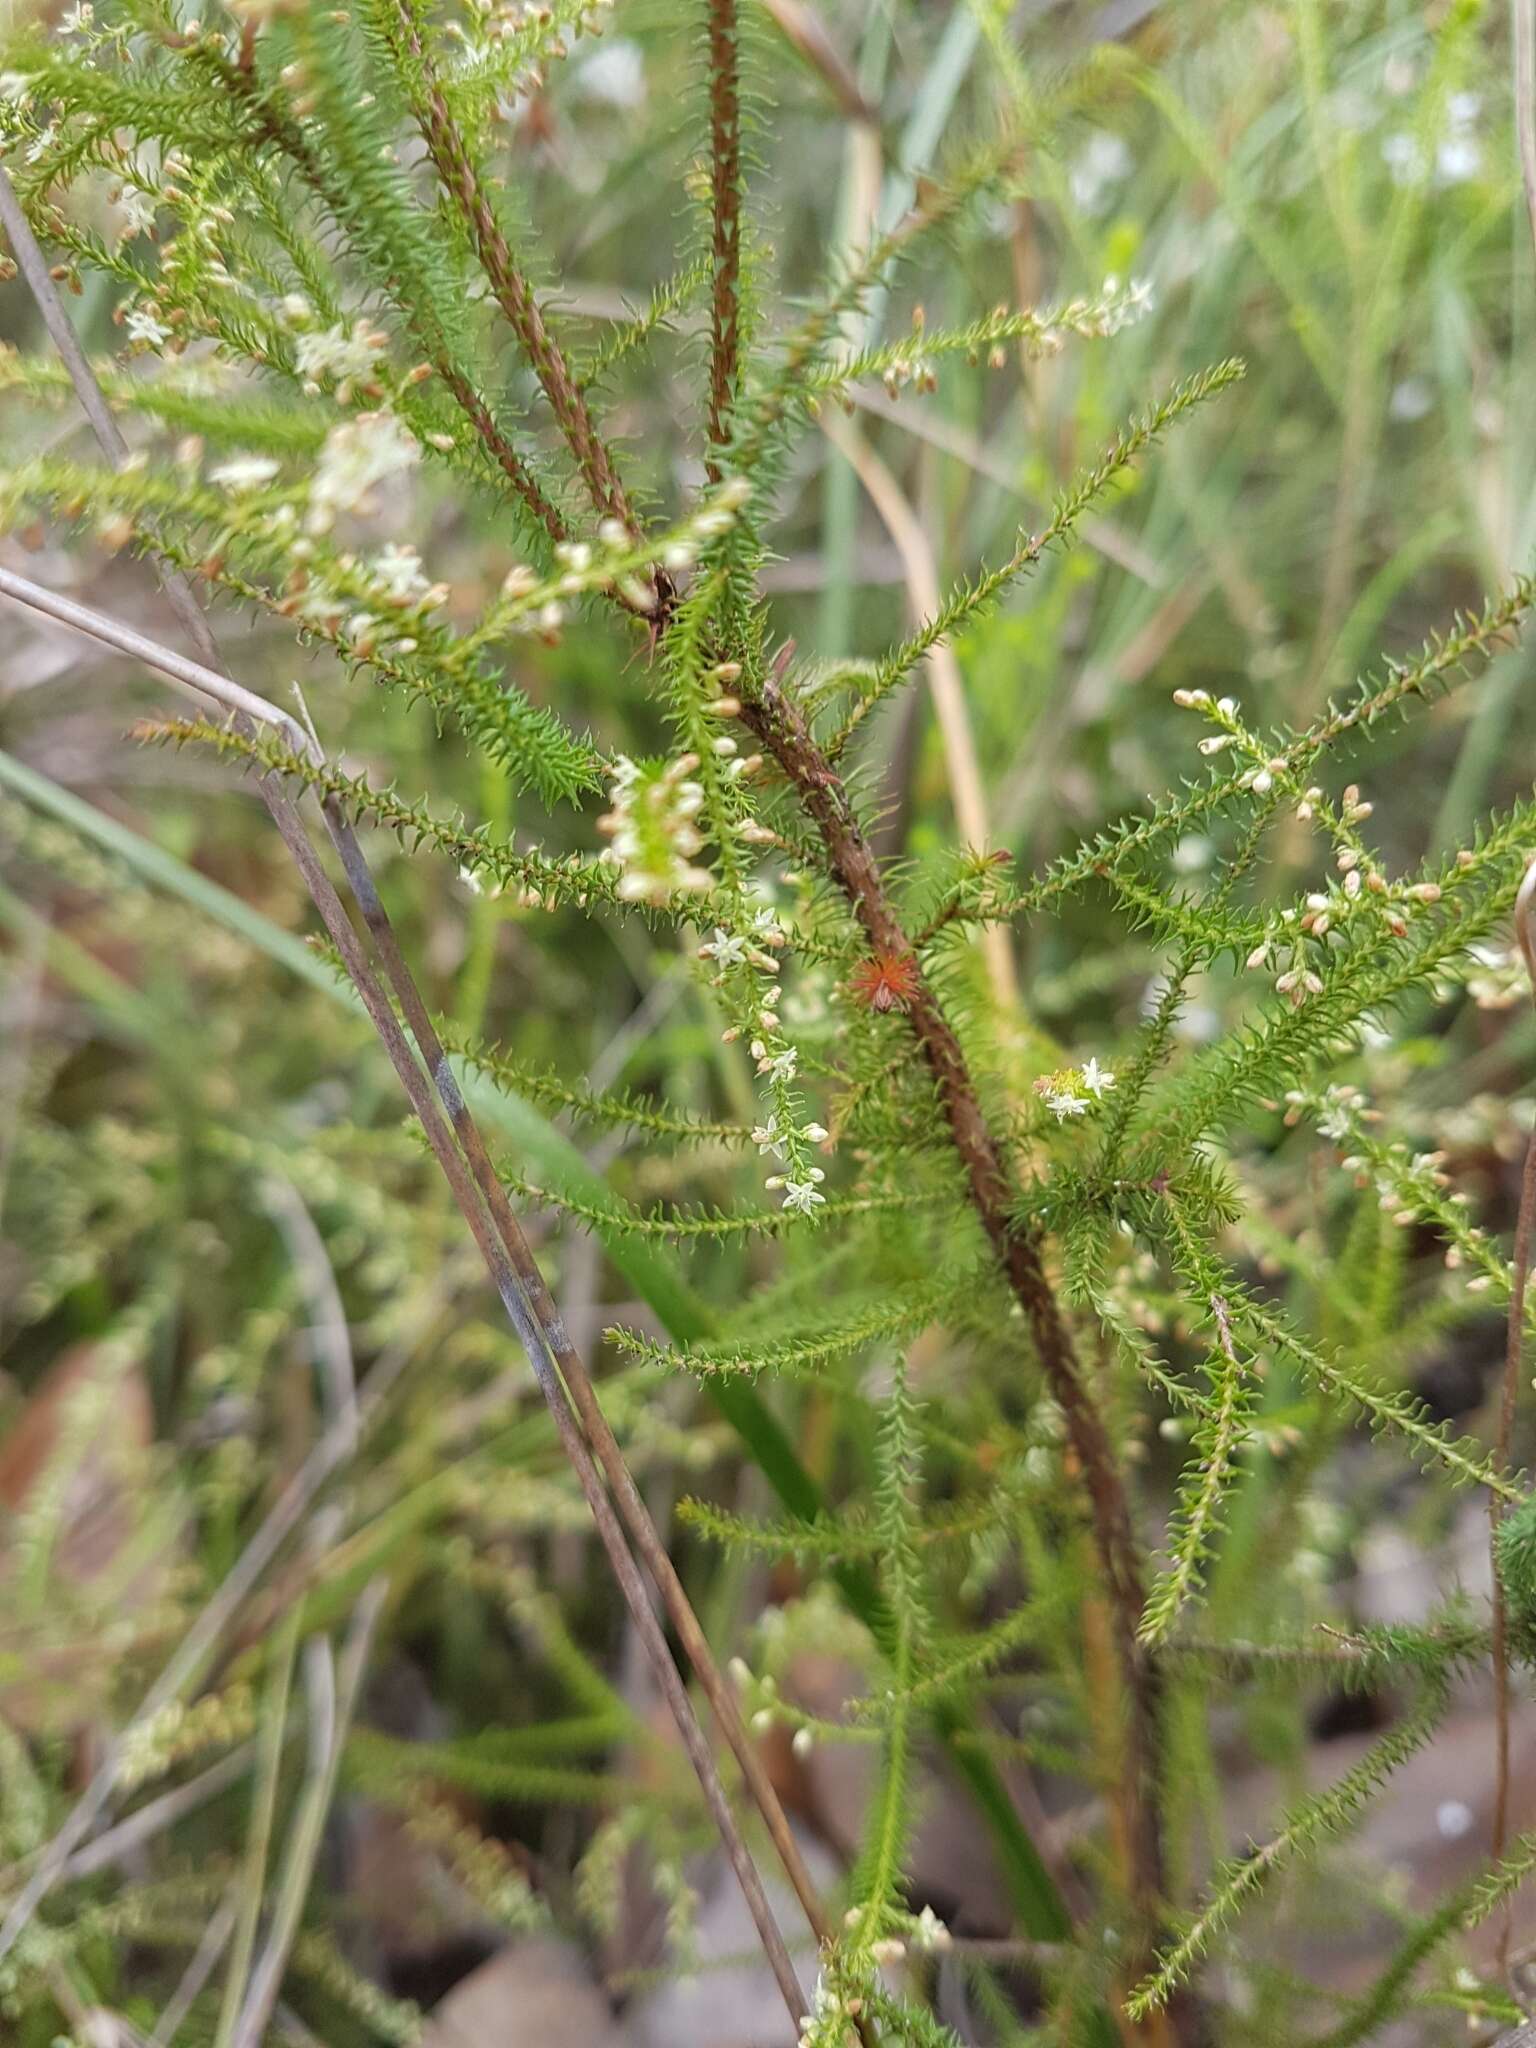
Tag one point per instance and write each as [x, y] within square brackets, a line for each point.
[886, 981]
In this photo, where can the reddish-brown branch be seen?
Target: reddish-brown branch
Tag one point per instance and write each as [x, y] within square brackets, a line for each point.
[725, 249]
[519, 304]
[273, 127]
[500, 449]
[513, 292]
[781, 730]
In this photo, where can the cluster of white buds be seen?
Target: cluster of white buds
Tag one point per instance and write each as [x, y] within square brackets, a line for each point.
[489, 28]
[1073, 1091]
[334, 596]
[652, 837]
[546, 619]
[1410, 1185]
[760, 1696]
[1123, 305]
[136, 207]
[1405, 1180]
[1223, 710]
[1298, 981]
[930, 1934]
[1361, 884]
[746, 967]
[1338, 1111]
[910, 365]
[725, 752]
[831, 2021]
[357, 454]
[716, 517]
[766, 1711]
[397, 577]
[341, 356]
[589, 567]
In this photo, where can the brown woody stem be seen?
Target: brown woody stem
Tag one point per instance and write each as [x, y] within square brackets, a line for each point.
[725, 249]
[513, 293]
[780, 728]
[273, 126]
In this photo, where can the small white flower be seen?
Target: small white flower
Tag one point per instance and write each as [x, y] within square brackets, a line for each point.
[357, 455]
[397, 572]
[803, 1196]
[768, 1138]
[1126, 303]
[930, 1932]
[144, 327]
[1097, 1080]
[781, 1066]
[650, 830]
[726, 949]
[1062, 1103]
[336, 353]
[137, 215]
[244, 472]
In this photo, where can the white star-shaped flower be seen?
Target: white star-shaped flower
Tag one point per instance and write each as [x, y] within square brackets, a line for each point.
[768, 1138]
[1062, 1103]
[143, 326]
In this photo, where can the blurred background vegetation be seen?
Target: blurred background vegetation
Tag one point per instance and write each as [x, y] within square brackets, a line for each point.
[204, 1170]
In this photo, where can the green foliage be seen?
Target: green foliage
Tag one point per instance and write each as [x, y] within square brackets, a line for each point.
[1167, 1233]
[1515, 1554]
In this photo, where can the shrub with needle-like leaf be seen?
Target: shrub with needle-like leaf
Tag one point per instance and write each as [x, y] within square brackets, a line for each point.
[331, 302]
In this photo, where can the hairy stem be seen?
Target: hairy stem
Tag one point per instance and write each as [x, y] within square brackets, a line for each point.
[513, 293]
[725, 241]
[780, 728]
[275, 128]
